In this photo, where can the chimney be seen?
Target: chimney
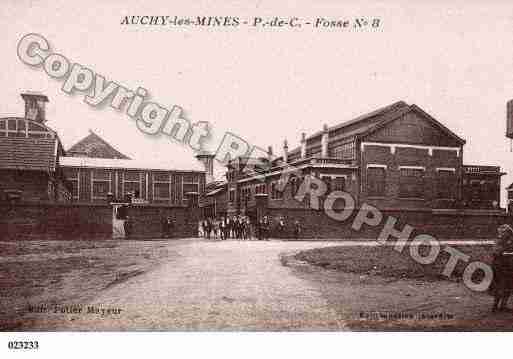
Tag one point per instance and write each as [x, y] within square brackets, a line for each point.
[208, 162]
[35, 106]
[270, 153]
[303, 145]
[285, 151]
[324, 141]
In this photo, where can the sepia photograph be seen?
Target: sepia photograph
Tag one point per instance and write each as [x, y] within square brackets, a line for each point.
[276, 170]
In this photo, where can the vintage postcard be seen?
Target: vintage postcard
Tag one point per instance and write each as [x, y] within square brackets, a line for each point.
[259, 166]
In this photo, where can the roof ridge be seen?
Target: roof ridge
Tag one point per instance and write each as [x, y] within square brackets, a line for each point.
[99, 138]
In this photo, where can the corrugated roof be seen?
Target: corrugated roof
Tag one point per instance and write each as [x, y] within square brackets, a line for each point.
[113, 163]
[28, 153]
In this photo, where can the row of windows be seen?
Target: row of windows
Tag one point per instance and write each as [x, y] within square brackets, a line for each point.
[277, 188]
[132, 183]
[345, 151]
[412, 183]
[15, 127]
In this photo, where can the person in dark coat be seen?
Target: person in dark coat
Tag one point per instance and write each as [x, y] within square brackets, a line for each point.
[502, 283]
[297, 229]
[128, 227]
[170, 226]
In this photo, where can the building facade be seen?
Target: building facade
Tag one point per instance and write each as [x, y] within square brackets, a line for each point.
[396, 158]
[35, 167]
[98, 172]
[30, 153]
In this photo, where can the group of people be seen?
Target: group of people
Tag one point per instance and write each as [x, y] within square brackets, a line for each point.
[238, 227]
[243, 227]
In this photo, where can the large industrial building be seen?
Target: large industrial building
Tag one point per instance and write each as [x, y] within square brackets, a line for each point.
[395, 158]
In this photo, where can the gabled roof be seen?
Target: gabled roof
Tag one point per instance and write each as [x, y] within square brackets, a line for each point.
[95, 146]
[39, 154]
[370, 122]
[393, 116]
[367, 120]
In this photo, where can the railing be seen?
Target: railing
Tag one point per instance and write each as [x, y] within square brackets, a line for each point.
[481, 169]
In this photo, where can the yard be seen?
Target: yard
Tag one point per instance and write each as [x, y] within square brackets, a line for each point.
[64, 272]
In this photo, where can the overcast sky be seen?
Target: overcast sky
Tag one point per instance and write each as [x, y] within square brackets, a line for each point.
[454, 61]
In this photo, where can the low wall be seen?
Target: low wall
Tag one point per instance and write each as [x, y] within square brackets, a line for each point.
[455, 224]
[89, 221]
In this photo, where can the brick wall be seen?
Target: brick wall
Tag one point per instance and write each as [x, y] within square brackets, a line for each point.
[381, 155]
[55, 221]
[33, 184]
[443, 225]
[68, 221]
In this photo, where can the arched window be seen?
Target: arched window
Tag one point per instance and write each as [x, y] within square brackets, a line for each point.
[20, 127]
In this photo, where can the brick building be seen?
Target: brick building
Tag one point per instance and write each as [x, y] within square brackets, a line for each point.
[396, 158]
[97, 172]
[30, 153]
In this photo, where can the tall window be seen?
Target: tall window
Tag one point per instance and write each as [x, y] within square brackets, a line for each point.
[260, 188]
[446, 185]
[190, 183]
[162, 186]
[411, 183]
[73, 178]
[231, 195]
[339, 184]
[277, 189]
[132, 183]
[376, 179]
[100, 184]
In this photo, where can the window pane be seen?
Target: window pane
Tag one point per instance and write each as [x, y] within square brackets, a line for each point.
[446, 184]
[2, 125]
[133, 188]
[190, 178]
[101, 175]
[36, 127]
[190, 188]
[376, 182]
[411, 183]
[339, 184]
[131, 176]
[161, 177]
[162, 191]
[11, 125]
[100, 189]
[74, 188]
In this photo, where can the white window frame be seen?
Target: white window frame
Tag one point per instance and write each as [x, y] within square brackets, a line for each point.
[77, 178]
[93, 180]
[194, 182]
[169, 183]
[124, 180]
[418, 168]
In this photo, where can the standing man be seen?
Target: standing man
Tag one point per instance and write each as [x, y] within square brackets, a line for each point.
[170, 226]
[128, 227]
[297, 229]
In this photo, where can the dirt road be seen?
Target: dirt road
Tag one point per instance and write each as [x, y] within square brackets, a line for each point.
[244, 285]
[228, 285]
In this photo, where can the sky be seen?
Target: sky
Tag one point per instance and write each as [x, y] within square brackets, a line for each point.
[453, 59]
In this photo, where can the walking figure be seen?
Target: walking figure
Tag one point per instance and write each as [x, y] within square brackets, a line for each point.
[502, 282]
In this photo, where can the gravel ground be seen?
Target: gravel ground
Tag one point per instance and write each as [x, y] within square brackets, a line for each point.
[229, 285]
[201, 285]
